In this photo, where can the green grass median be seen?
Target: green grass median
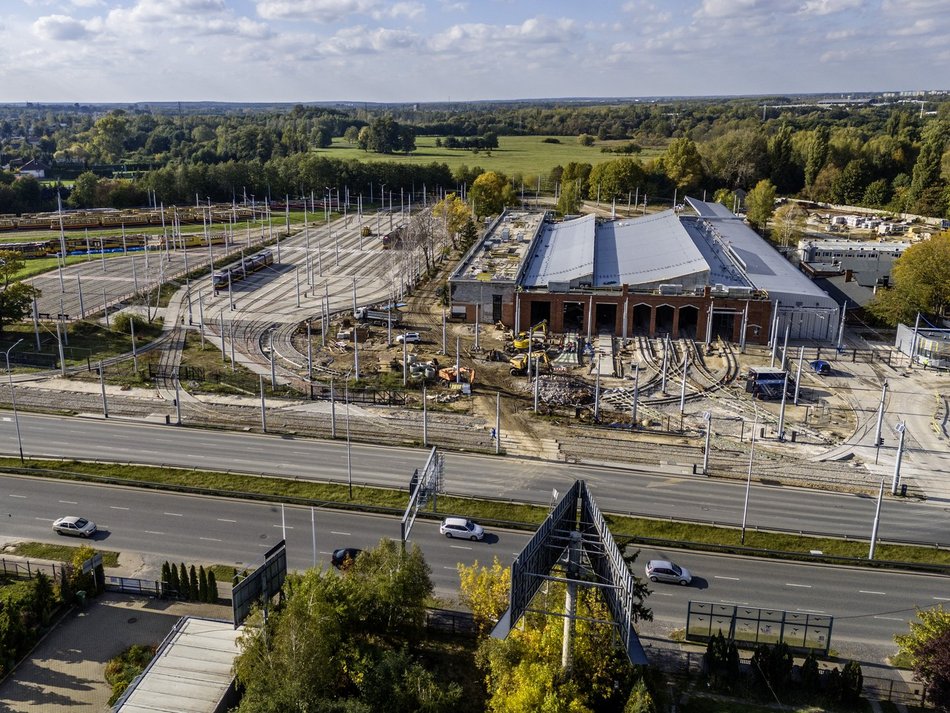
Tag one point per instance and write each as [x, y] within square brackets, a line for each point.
[631, 531]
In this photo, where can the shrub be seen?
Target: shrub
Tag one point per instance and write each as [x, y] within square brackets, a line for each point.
[122, 670]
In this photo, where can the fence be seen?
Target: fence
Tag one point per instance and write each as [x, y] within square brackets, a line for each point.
[685, 664]
[25, 569]
[450, 622]
[129, 585]
[751, 626]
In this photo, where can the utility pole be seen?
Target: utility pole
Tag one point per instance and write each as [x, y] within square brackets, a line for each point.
[636, 396]
[748, 484]
[880, 422]
[895, 481]
[877, 521]
[707, 417]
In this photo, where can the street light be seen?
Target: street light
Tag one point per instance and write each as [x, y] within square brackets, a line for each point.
[748, 483]
[16, 418]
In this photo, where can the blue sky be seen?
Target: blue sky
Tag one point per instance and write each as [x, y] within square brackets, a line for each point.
[438, 50]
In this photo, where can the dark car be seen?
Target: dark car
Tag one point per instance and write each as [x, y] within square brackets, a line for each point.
[344, 557]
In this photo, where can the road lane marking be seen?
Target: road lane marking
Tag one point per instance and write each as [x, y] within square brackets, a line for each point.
[459, 547]
[287, 527]
[174, 514]
[42, 519]
[224, 519]
[335, 532]
[18, 496]
[117, 507]
[730, 601]
[942, 599]
[152, 532]
[209, 539]
[811, 611]
[803, 586]
[865, 591]
[68, 502]
[889, 618]
[734, 579]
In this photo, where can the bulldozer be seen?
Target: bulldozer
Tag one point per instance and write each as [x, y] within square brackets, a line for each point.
[523, 339]
[519, 363]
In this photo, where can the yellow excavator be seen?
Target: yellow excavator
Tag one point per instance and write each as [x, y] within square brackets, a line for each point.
[519, 363]
[523, 339]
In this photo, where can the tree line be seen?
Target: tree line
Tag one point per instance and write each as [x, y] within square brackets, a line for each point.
[887, 157]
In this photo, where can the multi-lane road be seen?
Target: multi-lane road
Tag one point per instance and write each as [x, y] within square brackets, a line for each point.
[869, 607]
[618, 490]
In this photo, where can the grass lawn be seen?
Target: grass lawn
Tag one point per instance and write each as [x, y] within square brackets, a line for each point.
[528, 155]
[59, 553]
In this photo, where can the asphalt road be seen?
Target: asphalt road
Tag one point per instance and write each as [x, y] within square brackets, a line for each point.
[641, 491]
[869, 606]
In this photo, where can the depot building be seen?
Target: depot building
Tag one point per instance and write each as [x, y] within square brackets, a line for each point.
[698, 272]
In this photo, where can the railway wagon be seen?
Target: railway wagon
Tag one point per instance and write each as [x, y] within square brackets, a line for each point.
[240, 269]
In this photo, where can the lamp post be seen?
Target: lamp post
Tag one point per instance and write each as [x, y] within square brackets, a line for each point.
[707, 417]
[748, 482]
[16, 418]
[901, 428]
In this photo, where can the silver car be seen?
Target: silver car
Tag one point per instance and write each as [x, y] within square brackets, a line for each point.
[76, 526]
[666, 571]
[461, 528]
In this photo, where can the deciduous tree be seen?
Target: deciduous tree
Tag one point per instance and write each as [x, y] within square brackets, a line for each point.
[920, 282]
[760, 204]
[16, 297]
[491, 193]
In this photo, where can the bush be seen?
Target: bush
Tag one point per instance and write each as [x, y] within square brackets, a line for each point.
[122, 670]
[550, 140]
[721, 662]
[810, 676]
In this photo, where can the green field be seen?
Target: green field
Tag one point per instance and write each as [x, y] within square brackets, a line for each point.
[527, 155]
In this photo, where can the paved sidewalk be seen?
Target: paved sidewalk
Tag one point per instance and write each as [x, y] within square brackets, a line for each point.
[66, 672]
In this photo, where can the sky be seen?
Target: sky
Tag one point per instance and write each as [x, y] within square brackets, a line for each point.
[458, 50]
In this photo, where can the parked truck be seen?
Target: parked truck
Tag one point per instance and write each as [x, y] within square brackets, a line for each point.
[376, 316]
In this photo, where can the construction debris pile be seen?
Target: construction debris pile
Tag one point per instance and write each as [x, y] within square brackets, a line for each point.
[562, 390]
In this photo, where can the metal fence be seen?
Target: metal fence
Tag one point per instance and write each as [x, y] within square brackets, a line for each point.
[25, 569]
[130, 585]
[685, 664]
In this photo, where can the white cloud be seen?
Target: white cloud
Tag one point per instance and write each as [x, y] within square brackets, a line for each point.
[60, 28]
[403, 9]
[827, 7]
[359, 40]
[919, 27]
[316, 10]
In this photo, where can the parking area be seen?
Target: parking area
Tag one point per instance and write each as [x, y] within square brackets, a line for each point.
[66, 672]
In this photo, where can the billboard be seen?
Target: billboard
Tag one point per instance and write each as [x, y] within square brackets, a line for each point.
[261, 584]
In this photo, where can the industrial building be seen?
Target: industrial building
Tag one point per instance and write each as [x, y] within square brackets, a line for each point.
[867, 263]
[698, 273]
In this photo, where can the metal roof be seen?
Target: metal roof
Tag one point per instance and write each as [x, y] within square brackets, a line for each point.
[650, 250]
[191, 671]
[762, 264]
[563, 252]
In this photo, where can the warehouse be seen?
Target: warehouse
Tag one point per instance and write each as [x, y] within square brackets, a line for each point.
[699, 273]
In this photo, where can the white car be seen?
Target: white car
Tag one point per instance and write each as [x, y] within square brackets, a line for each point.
[76, 526]
[409, 338]
[666, 571]
[461, 528]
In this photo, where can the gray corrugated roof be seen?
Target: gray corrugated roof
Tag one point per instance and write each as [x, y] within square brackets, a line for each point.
[765, 267]
[564, 252]
[190, 673]
[651, 249]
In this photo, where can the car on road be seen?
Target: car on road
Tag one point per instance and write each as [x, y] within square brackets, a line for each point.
[344, 557]
[461, 528]
[409, 338]
[75, 526]
[666, 571]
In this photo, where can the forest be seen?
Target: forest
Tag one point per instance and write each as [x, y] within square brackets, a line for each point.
[889, 156]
